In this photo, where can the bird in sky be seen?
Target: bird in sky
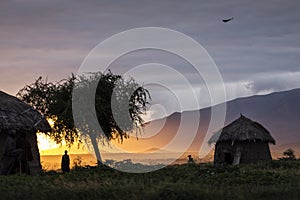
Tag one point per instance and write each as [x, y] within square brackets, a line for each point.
[227, 20]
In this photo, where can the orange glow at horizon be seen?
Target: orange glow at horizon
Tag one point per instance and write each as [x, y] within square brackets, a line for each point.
[44, 142]
[48, 146]
[155, 137]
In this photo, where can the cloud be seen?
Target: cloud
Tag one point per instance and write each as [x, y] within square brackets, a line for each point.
[274, 82]
[53, 37]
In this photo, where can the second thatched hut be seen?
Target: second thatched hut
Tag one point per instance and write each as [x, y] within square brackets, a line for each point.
[242, 141]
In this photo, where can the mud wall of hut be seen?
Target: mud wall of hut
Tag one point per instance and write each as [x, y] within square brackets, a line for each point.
[250, 152]
[221, 149]
[2, 142]
[35, 165]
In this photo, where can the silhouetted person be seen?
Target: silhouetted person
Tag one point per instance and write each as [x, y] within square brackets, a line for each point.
[26, 156]
[11, 155]
[191, 160]
[65, 162]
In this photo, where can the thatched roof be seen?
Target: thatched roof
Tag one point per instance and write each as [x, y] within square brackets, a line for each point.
[242, 129]
[15, 114]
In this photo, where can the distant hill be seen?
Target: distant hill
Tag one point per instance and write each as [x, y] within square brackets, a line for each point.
[155, 150]
[279, 112]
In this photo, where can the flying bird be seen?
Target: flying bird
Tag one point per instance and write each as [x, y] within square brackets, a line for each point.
[227, 20]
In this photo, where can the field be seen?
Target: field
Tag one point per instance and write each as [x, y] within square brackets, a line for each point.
[53, 162]
[274, 180]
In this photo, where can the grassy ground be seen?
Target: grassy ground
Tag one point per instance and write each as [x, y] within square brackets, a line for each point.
[274, 180]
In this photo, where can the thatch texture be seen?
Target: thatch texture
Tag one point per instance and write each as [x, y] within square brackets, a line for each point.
[242, 129]
[15, 114]
[242, 141]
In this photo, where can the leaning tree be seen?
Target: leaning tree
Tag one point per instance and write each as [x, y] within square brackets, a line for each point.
[118, 105]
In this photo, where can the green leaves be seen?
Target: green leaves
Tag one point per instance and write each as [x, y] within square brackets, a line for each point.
[119, 104]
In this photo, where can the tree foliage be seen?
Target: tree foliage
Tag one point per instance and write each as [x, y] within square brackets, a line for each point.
[289, 154]
[54, 100]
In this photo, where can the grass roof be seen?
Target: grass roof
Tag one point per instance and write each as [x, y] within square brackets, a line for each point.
[243, 129]
[15, 114]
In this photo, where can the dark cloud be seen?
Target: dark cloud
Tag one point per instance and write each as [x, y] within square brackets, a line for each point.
[53, 37]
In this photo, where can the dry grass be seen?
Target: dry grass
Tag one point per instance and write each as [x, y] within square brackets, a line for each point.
[275, 180]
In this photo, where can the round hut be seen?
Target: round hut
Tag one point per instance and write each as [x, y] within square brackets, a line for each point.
[242, 141]
[19, 116]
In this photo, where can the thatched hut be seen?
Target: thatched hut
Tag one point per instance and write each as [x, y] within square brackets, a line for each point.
[242, 141]
[15, 114]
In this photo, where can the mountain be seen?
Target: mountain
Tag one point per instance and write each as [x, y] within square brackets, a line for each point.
[155, 150]
[279, 112]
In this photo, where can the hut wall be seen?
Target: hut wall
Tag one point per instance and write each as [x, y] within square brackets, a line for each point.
[35, 165]
[221, 150]
[2, 142]
[252, 152]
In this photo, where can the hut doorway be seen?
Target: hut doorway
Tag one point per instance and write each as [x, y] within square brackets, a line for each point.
[228, 158]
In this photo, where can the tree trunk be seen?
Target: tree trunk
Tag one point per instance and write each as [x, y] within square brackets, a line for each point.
[96, 150]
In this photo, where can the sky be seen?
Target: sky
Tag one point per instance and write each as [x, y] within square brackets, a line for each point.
[256, 53]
